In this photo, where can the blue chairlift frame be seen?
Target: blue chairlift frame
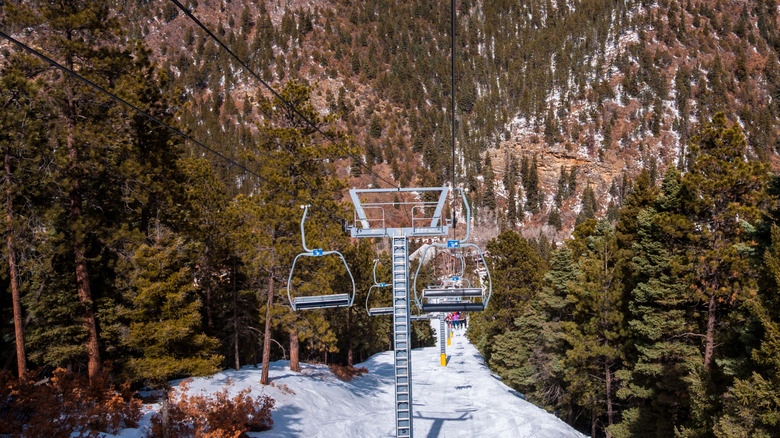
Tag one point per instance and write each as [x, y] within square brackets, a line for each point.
[318, 301]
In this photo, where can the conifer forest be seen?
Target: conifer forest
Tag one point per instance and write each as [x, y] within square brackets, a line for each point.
[620, 158]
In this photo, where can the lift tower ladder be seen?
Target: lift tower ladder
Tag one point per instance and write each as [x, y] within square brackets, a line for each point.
[402, 338]
[426, 220]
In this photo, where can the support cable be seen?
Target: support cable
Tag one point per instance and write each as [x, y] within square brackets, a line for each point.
[452, 19]
[116, 98]
[277, 95]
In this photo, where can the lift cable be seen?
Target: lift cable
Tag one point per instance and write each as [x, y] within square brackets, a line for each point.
[113, 96]
[277, 95]
[452, 19]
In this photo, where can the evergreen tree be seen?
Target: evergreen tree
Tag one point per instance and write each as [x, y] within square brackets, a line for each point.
[489, 198]
[596, 332]
[293, 163]
[83, 36]
[555, 220]
[164, 334]
[752, 406]
[510, 183]
[719, 195]
[666, 352]
[589, 206]
[720, 191]
[23, 142]
[517, 273]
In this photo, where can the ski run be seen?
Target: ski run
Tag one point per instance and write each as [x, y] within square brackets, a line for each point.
[462, 399]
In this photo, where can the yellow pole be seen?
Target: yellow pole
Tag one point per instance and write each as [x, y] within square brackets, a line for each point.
[443, 360]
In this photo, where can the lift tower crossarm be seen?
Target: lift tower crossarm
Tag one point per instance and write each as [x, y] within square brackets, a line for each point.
[365, 226]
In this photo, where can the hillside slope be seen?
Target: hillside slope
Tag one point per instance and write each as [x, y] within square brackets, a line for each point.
[604, 87]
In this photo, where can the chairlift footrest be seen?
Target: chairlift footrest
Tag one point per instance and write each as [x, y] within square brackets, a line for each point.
[380, 311]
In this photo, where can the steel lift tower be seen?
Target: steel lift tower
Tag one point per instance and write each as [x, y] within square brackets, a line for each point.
[426, 221]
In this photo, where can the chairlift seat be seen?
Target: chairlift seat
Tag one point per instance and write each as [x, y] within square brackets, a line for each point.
[322, 301]
[453, 307]
[453, 292]
[380, 311]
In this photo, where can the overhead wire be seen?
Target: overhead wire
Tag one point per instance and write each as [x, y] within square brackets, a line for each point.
[200, 144]
[452, 48]
[289, 105]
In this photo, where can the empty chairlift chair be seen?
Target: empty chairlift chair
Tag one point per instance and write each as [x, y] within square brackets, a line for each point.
[454, 297]
[317, 301]
[376, 311]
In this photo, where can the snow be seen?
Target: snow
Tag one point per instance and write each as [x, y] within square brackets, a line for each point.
[462, 399]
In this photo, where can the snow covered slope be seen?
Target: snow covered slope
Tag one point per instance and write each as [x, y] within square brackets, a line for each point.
[460, 400]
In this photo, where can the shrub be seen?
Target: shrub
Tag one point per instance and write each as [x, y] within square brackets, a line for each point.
[65, 404]
[346, 373]
[215, 416]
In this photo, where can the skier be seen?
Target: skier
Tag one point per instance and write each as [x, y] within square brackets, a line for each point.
[456, 320]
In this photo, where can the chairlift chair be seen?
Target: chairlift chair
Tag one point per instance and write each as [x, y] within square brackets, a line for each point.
[318, 301]
[376, 311]
[453, 298]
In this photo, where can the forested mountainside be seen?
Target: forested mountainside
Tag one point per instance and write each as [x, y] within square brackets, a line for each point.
[597, 88]
[640, 136]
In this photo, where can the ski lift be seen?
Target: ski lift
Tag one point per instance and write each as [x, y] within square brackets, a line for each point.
[417, 316]
[376, 311]
[454, 297]
[318, 301]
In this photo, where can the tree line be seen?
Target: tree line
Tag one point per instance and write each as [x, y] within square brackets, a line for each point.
[661, 322]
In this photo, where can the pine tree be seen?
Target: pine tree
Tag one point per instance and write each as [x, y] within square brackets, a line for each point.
[82, 35]
[666, 352]
[752, 406]
[164, 332]
[517, 273]
[294, 163]
[719, 195]
[510, 183]
[489, 198]
[23, 142]
[555, 220]
[589, 206]
[720, 191]
[596, 331]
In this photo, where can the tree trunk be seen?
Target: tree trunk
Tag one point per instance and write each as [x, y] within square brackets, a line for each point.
[21, 357]
[267, 339]
[610, 416]
[350, 346]
[235, 318]
[79, 254]
[295, 363]
[709, 340]
[165, 411]
[207, 287]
